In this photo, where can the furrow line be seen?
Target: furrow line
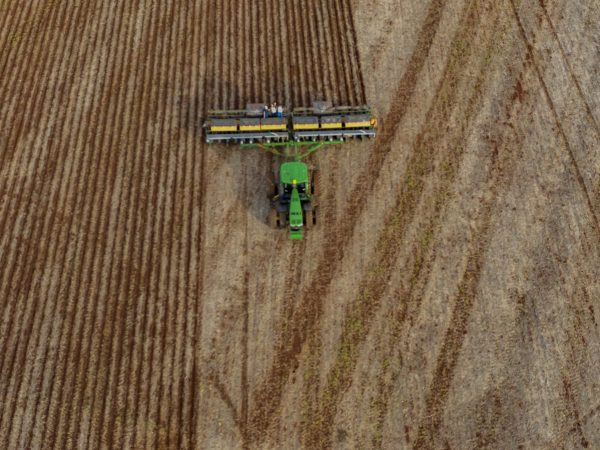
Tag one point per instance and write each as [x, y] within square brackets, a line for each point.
[175, 425]
[318, 52]
[22, 91]
[293, 95]
[178, 425]
[268, 39]
[171, 270]
[337, 57]
[144, 371]
[257, 66]
[18, 283]
[135, 364]
[8, 301]
[159, 292]
[34, 100]
[357, 75]
[240, 68]
[109, 213]
[112, 423]
[9, 19]
[92, 127]
[66, 135]
[345, 52]
[309, 61]
[247, 49]
[188, 117]
[300, 62]
[325, 41]
[22, 50]
[280, 70]
[198, 311]
[115, 308]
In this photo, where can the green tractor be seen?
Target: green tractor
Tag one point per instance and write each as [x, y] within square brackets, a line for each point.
[291, 138]
[294, 202]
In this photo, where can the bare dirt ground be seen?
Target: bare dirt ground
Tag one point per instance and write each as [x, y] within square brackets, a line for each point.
[450, 297]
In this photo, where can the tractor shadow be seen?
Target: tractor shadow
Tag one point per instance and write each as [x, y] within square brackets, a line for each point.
[249, 172]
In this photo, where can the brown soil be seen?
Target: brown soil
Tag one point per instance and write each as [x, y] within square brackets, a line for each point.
[449, 297]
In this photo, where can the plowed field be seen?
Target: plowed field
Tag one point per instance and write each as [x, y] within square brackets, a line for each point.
[449, 297]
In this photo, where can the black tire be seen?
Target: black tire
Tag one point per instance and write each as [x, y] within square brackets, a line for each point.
[314, 181]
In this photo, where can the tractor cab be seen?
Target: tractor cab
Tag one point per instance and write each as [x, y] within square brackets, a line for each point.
[293, 198]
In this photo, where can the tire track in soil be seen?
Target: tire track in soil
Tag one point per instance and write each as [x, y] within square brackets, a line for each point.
[304, 319]
[563, 54]
[455, 335]
[559, 124]
[457, 330]
[460, 317]
[423, 260]
[47, 383]
[243, 411]
[415, 292]
[18, 364]
[573, 412]
[373, 287]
